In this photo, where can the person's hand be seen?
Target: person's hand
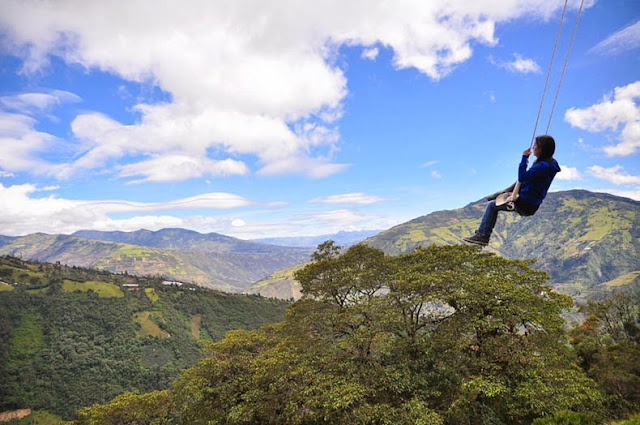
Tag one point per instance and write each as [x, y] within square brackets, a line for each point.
[527, 152]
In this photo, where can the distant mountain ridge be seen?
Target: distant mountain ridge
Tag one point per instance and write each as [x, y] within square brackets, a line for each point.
[182, 239]
[211, 260]
[584, 240]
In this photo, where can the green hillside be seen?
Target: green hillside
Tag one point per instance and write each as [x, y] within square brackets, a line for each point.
[281, 285]
[71, 337]
[581, 239]
[226, 271]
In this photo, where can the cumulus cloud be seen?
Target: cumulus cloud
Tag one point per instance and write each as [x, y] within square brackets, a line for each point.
[628, 38]
[619, 113]
[615, 174]
[519, 64]
[23, 211]
[244, 77]
[349, 198]
[569, 173]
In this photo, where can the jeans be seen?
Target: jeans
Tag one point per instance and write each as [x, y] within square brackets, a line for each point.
[489, 218]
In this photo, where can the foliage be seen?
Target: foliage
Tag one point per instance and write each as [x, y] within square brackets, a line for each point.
[63, 349]
[130, 408]
[442, 335]
[635, 421]
[608, 343]
[565, 417]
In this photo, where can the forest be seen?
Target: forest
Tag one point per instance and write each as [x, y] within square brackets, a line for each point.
[440, 335]
[71, 337]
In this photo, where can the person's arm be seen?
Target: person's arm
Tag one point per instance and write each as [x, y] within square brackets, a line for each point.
[535, 171]
[522, 168]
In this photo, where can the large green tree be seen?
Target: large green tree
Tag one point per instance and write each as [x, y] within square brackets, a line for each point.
[441, 335]
[608, 344]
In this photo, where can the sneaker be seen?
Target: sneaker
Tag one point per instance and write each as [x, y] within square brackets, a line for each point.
[477, 239]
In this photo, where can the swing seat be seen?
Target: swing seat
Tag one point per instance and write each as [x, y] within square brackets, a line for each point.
[506, 198]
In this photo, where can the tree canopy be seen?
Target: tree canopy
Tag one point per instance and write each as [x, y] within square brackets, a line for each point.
[441, 335]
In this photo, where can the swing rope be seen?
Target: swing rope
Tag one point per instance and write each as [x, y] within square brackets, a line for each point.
[546, 83]
[510, 198]
[566, 60]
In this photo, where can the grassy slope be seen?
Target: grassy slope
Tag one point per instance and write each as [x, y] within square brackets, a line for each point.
[280, 284]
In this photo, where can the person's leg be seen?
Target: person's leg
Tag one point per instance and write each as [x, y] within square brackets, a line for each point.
[489, 219]
[487, 224]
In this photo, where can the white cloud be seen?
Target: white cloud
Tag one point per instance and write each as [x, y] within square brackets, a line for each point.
[343, 219]
[628, 38]
[350, 198]
[620, 109]
[568, 173]
[519, 64]
[436, 175]
[312, 167]
[615, 174]
[370, 53]
[36, 102]
[23, 212]
[631, 194]
[20, 144]
[244, 77]
[429, 164]
[181, 167]
[6, 174]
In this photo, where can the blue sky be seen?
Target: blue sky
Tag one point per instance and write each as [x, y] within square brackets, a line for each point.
[276, 118]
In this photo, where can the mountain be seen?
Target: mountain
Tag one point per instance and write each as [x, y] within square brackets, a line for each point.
[71, 337]
[281, 285]
[222, 263]
[584, 240]
[184, 240]
[6, 239]
[341, 238]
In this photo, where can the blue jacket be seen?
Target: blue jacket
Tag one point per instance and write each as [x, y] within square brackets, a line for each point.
[536, 180]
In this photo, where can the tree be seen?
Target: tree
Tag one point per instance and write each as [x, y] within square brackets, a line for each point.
[608, 343]
[442, 335]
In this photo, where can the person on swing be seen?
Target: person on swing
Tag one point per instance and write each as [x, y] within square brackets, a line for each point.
[534, 182]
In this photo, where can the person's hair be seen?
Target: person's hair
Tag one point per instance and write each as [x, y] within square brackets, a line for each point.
[546, 147]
